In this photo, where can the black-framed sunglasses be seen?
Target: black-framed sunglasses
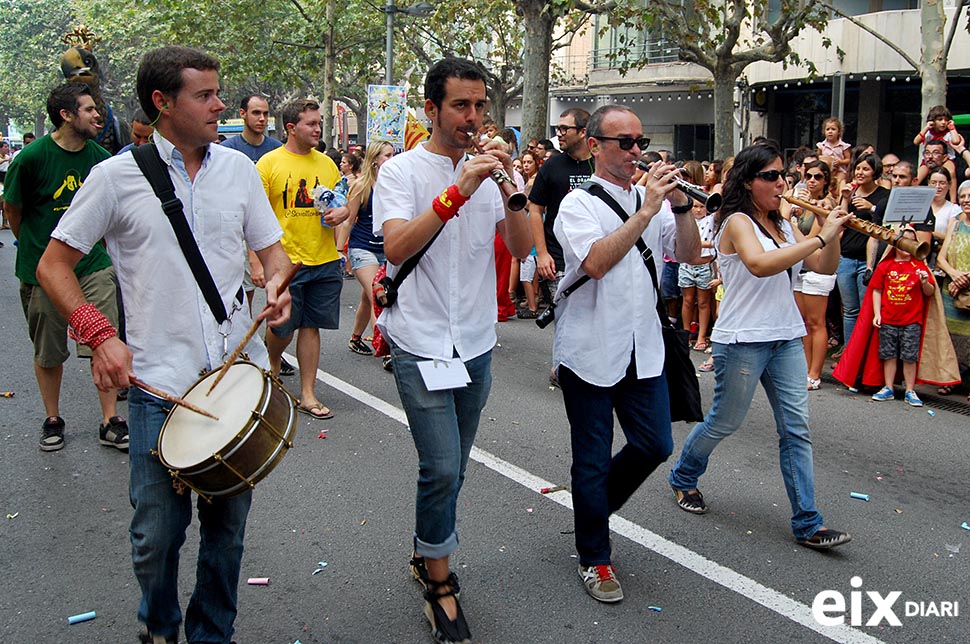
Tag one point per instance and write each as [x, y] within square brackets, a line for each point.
[812, 175]
[627, 142]
[562, 129]
[769, 175]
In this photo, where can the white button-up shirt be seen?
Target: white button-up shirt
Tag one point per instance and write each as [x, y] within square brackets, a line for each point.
[601, 323]
[448, 302]
[171, 331]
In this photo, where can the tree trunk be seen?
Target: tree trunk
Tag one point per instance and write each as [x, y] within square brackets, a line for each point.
[724, 144]
[329, 75]
[932, 56]
[361, 113]
[500, 103]
[40, 121]
[535, 85]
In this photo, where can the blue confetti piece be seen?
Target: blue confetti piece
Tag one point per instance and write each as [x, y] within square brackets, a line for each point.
[861, 497]
[83, 617]
[656, 609]
[965, 525]
[931, 412]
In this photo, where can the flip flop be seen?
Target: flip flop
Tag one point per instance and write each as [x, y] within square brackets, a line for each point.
[319, 411]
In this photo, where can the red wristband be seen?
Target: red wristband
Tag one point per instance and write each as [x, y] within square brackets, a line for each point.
[89, 326]
[446, 204]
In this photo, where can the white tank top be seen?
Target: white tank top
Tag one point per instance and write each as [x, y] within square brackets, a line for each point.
[756, 309]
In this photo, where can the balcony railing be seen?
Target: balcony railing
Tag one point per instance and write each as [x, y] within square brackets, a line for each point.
[650, 52]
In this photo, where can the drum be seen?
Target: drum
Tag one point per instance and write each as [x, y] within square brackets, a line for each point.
[257, 420]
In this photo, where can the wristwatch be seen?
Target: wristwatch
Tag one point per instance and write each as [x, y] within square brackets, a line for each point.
[679, 210]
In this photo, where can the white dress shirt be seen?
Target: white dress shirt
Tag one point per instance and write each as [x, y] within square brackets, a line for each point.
[448, 302]
[171, 331]
[603, 321]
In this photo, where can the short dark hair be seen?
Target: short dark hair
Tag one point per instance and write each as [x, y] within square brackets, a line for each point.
[65, 97]
[580, 116]
[874, 162]
[939, 142]
[161, 69]
[140, 117]
[290, 113]
[30, 135]
[737, 197]
[546, 144]
[441, 71]
[651, 157]
[907, 166]
[244, 103]
[594, 127]
[940, 170]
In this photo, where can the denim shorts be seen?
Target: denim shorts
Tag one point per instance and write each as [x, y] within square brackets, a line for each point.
[360, 257]
[899, 342]
[698, 276]
[316, 299]
[668, 281]
[48, 329]
[527, 268]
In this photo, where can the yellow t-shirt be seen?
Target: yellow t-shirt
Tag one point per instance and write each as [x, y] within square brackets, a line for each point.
[289, 180]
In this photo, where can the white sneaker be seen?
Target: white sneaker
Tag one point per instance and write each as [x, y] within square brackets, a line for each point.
[601, 583]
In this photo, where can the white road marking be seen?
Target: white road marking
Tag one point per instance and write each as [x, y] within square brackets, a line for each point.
[723, 576]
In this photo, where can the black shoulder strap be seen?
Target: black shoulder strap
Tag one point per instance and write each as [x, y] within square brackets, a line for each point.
[151, 165]
[411, 262]
[645, 253]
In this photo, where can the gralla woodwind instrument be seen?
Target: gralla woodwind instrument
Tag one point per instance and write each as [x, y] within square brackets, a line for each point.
[514, 200]
[918, 249]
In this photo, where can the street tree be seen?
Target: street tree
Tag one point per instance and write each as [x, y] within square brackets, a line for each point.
[724, 37]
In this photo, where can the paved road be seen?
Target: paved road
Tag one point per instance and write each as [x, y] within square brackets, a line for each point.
[733, 575]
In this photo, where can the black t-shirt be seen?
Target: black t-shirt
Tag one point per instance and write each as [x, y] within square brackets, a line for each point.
[854, 242]
[557, 177]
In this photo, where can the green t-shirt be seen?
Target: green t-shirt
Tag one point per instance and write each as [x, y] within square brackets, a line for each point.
[43, 180]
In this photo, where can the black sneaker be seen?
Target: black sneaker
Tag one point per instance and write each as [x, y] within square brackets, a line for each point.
[825, 539]
[692, 502]
[359, 346]
[52, 436]
[115, 433]
[286, 369]
[387, 363]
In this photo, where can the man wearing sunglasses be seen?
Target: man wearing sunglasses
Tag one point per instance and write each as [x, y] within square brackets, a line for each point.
[608, 349]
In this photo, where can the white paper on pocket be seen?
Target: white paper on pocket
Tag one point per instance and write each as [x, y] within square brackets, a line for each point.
[444, 374]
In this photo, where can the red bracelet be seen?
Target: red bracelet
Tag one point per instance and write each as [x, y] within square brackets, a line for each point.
[89, 326]
[446, 204]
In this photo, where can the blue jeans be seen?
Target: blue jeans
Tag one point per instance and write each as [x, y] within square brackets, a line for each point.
[158, 532]
[443, 425]
[849, 278]
[601, 481]
[780, 366]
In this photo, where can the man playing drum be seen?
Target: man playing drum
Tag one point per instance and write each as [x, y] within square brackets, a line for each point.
[172, 333]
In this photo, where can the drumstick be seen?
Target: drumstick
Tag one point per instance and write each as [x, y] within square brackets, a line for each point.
[252, 331]
[169, 397]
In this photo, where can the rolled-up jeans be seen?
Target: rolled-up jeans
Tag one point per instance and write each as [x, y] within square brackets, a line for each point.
[781, 369]
[443, 426]
[158, 532]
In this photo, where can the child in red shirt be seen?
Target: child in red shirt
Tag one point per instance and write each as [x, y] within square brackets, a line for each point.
[899, 285]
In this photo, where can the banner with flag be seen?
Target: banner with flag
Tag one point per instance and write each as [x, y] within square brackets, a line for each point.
[414, 133]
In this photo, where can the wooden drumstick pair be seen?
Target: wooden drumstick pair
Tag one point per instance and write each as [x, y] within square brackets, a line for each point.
[251, 332]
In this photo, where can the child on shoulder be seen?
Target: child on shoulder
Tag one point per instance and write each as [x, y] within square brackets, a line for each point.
[833, 150]
[939, 127]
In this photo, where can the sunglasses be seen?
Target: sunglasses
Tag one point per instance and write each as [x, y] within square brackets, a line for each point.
[562, 129]
[626, 142]
[769, 175]
[812, 175]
